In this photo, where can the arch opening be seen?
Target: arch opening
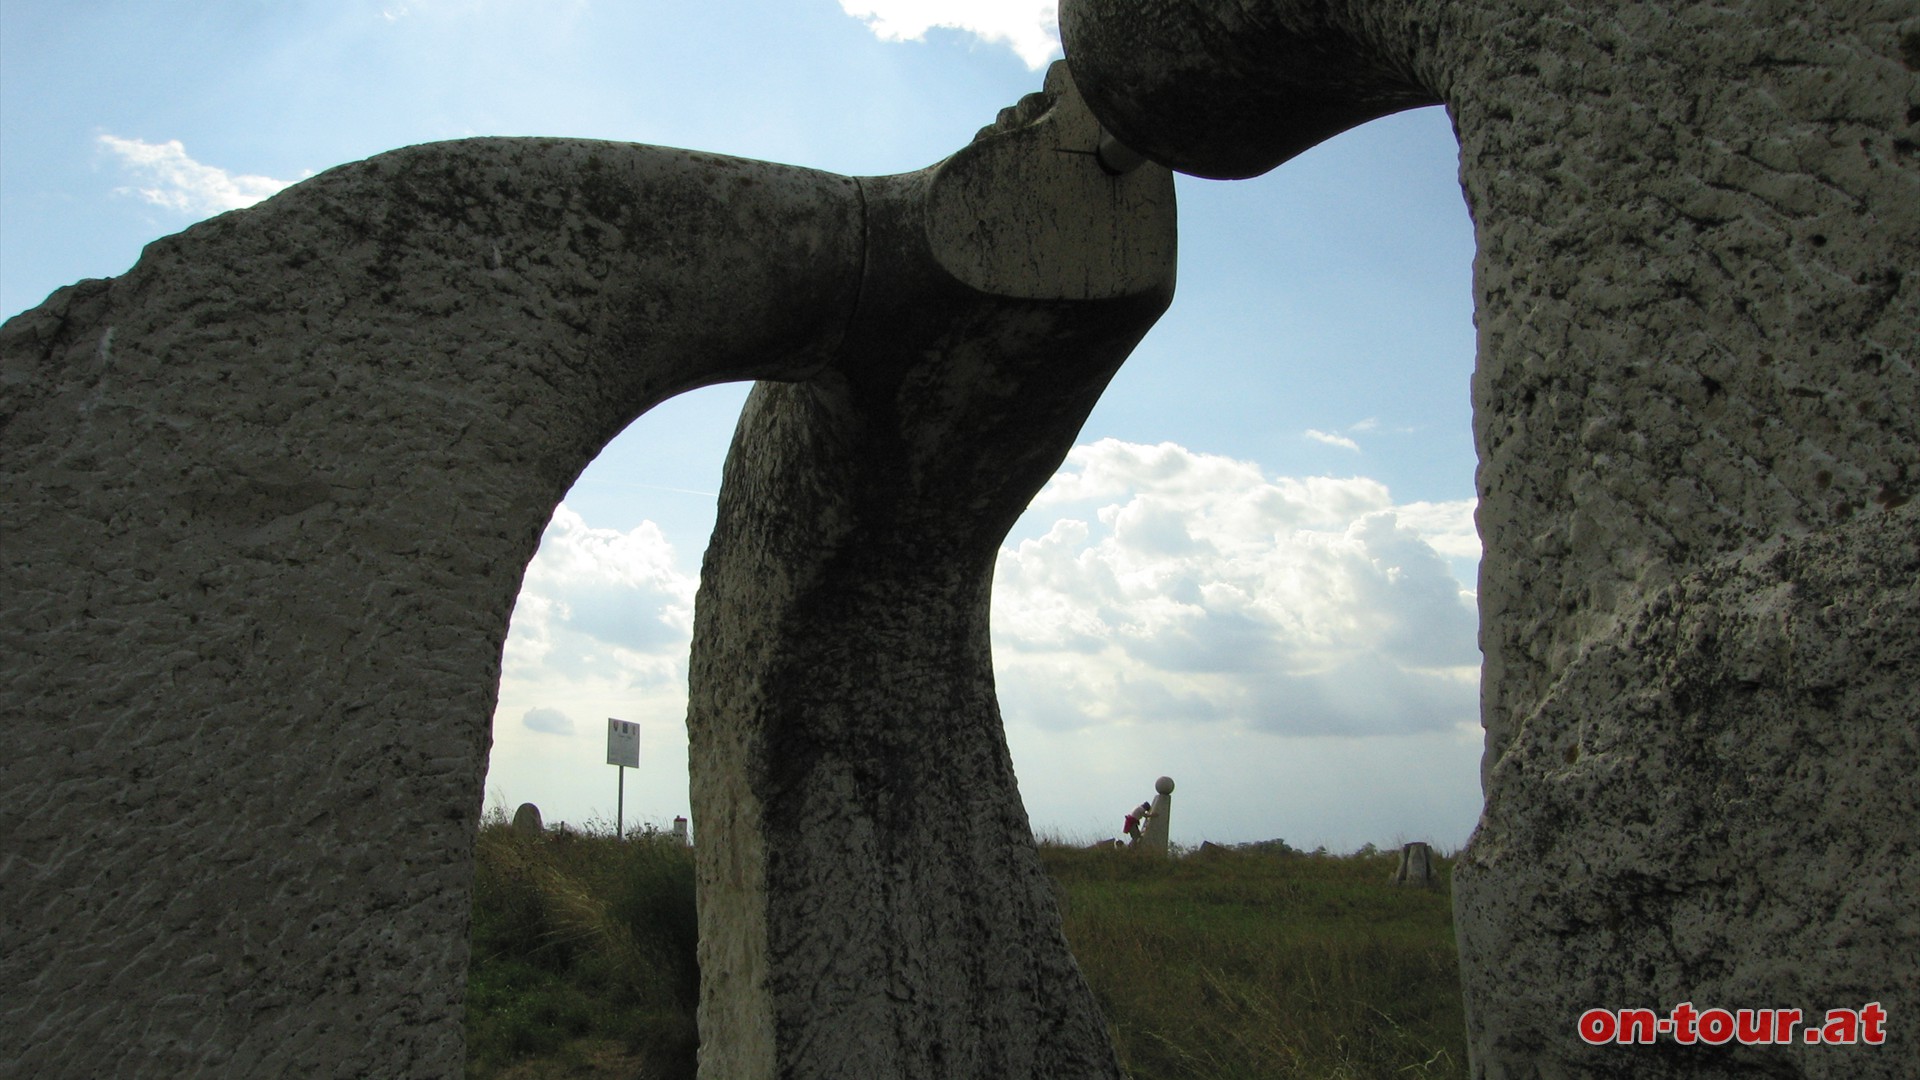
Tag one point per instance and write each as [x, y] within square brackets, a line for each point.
[604, 620]
[1257, 568]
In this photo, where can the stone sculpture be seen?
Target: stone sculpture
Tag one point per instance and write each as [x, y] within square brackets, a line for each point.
[1415, 866]
[527, 820]
[1698, 421]
[268, 498]
[1157, 835]
[871, 902]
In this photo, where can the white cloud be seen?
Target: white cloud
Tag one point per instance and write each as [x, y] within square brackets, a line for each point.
[1182, 613]
[168, 177]
[601, 628]
[550, 721]
[602, 603]
[1331, 439]
[1029, 27]
[1202, 591]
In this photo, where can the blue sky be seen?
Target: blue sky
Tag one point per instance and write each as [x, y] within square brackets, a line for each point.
[1255, 572]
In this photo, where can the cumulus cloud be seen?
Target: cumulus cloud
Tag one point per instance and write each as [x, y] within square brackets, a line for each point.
[550, 721]
[167, 177]
[1176, 586]
[1029, 27]
[602, 602]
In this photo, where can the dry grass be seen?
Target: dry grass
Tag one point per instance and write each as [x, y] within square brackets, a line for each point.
[1220, 965]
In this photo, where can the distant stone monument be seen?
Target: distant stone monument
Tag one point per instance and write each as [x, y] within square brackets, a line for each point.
[1698, 419]
[680, 832]
[526, 820]
[1416, 866]
[1155, 835]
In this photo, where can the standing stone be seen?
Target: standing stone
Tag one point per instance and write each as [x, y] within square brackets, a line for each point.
[871, 900]
[1156, 836]
[1416, 866]
[1698, 419]
[526, 820]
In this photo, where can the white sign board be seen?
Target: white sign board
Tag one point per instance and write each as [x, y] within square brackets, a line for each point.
[623, 743]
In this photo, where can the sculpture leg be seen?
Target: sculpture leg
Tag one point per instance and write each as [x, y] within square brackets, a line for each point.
[871, 902]
[1698, 419]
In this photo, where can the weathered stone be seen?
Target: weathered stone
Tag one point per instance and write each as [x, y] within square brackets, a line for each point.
[270, 494]
[871, 901]
[1416, 866]
[1698, 420]
[267, 502]
[526, 820]
[1156, 835]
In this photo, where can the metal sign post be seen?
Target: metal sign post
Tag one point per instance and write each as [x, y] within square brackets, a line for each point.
[623, 749]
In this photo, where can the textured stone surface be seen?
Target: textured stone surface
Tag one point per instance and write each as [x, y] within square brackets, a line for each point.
[527, 820]
[871, 903]
[1698, 420]
[1157, 834]
[1416, 866]
[267, 500]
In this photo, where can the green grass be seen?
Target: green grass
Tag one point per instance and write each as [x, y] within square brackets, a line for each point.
[1229, 965]
[581, 941]
[1224, 965]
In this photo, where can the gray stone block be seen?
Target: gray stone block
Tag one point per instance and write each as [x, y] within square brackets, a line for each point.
[1698, 420]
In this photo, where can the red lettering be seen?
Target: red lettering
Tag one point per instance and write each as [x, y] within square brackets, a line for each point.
[1784, 1021]
[1716, 1026]
[1873, 1021]
[1597, 1026]
[1842, 1026]
[1754, 1025]
[1638, 1026]
[1683, 1021]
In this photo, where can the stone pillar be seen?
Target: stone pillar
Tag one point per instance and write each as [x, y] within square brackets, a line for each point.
[680, 832]
[1698, 419]
[1155, 836]
[526, 820]
[871, 901]
[1416, 866]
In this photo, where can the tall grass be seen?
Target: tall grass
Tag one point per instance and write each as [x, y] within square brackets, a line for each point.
[1227, 965]
[583, 946]
[1224, 965]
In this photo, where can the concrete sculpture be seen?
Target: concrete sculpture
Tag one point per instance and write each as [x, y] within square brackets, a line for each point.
[269, 495]
[1157, 836]
[1698, 422]
[871, 900]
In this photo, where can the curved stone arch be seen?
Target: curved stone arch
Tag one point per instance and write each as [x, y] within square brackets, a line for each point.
[269, 499]
[1696, 413]
[271, 493]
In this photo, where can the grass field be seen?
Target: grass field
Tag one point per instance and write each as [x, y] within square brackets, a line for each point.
[1220, 964]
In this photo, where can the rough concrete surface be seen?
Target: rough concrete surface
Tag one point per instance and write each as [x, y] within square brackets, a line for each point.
[1698, 421]
[267, 500]
[871, 901]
